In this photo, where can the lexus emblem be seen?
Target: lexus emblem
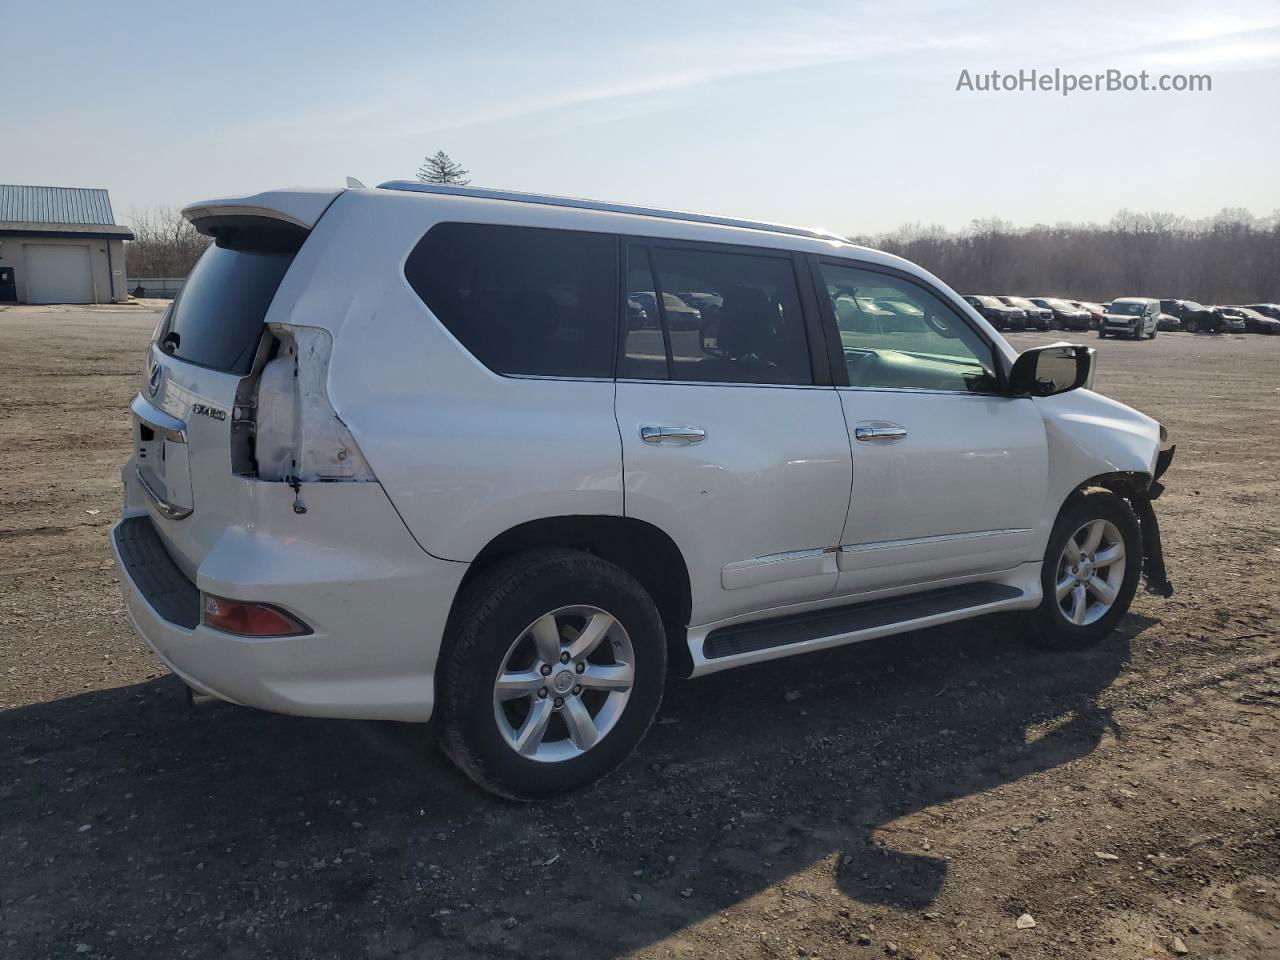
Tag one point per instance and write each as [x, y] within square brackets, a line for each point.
[153, 380]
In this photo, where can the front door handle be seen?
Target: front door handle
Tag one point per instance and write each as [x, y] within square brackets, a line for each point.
[879, 430]
[670, 436]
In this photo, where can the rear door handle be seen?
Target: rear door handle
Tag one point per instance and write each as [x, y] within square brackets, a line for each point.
[671, 436]
[879, 430]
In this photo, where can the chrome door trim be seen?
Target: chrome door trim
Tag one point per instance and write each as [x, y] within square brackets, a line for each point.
[921, 541]
[775, 567]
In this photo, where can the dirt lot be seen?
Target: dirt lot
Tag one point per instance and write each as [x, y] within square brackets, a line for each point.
[908, 797]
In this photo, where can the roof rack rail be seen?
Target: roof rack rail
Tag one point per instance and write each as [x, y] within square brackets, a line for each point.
[551, 201]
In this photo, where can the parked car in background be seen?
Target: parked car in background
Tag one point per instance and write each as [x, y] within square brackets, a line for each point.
[1065, 315]
[679, 314]
[1271, 310]
[397, 456]
[999, 315]
[1195, 317]
[1096, 310]
[1132, 317]
[1168, 322]
[1039, 317]
[1254, 321]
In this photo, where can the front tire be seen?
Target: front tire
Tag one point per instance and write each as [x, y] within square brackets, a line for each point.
[552, 672]
[1091, 570]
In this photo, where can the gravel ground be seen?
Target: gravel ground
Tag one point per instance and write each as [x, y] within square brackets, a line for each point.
[913, 796]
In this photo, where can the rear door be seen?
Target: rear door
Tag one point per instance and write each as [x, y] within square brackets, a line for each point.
[733, 441]
[949, 477]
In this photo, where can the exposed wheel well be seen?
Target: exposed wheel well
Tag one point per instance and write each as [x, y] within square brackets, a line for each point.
[1124, 483]
[640, 548]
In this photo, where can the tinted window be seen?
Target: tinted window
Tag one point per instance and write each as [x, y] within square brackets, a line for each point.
[896, 333]
[217, 318]
[644, 354]
[523, 300]
[730, 317]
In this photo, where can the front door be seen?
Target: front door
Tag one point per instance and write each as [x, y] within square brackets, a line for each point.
[728, 443]
[949, 477]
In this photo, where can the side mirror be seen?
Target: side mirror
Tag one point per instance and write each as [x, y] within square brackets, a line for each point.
[1045, 371]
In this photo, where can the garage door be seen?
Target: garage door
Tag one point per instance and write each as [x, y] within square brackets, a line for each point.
[59, 273]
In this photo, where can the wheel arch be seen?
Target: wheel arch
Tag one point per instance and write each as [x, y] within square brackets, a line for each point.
[643, 550]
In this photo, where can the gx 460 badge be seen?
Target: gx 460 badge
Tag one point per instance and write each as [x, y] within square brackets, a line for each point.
[212, 413]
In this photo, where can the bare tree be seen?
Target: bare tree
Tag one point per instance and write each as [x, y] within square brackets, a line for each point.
[1231, 257]
[440, 168]
[164, 244]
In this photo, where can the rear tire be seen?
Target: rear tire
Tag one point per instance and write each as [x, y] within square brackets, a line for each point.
[1091, 570]
[552, 671]
[1192, 326]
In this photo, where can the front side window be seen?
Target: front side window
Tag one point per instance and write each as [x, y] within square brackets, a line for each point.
[896, 334]
[725, 317]
[524, 300]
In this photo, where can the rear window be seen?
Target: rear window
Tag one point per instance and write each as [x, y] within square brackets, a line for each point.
[524, 300]
[217, 318]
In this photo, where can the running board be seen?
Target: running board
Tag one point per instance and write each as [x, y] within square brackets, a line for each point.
[834, 625]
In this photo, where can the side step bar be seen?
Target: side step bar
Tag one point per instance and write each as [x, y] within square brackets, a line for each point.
[836, 623]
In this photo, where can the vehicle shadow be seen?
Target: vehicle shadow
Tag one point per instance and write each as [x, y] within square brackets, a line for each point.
[137, 826]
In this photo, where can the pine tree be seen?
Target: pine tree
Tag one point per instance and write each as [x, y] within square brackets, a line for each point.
[442, 169]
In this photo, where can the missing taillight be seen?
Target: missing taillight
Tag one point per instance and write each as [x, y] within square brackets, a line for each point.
[296, 435]
[249, 619]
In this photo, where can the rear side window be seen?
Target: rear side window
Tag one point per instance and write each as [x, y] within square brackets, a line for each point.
[729, 317]
[217, 318]
[524, 300]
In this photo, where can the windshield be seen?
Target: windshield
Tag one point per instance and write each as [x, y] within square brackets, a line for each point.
[990, 302]
[1192, 305]
[1022, 302]
[1131, 308]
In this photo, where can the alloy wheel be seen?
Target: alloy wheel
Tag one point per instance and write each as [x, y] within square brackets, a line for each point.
[1090, 572]
[563, 683]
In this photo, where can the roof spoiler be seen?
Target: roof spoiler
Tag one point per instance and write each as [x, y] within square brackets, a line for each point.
[300, 207]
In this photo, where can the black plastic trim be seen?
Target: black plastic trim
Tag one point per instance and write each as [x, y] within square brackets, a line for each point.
[814, 625]
[148, 564]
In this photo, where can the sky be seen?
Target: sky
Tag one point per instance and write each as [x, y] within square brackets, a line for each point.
[839, 115]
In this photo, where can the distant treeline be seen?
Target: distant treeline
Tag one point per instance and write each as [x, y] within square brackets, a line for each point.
[1233, 257]
[164, 244]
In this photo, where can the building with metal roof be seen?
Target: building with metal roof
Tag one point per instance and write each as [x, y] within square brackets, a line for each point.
[60, 245]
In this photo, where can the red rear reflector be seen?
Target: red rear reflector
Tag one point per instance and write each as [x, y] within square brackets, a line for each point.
[249, 619]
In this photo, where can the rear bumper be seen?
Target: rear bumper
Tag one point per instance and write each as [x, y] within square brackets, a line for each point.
[376, 602]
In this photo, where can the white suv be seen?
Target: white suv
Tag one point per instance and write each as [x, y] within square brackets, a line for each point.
[509, 460]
